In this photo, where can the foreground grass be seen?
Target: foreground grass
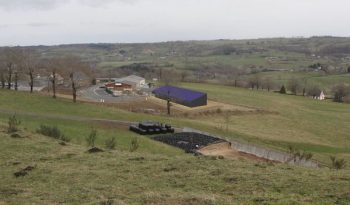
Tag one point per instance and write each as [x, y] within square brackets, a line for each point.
[69, 175]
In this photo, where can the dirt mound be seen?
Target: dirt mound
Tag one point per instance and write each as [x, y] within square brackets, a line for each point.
[23, 172]
[224, 149]
[95, 150]
[220, 149]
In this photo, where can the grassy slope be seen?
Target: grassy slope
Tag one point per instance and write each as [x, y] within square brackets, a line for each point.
[77, 130]
[69, 175]
[319, 127]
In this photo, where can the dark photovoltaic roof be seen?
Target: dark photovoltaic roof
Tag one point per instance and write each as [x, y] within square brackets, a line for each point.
[178, 93]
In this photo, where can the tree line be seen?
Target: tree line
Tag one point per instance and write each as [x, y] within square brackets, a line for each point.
[23, 63]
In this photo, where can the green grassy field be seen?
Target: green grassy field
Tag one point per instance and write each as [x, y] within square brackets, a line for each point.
[317, 126]
[160, 174]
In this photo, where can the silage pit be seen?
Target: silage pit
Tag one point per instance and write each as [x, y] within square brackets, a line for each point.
[188, 141]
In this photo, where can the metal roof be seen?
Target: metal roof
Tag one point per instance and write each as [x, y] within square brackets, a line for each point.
[178, 93]
[130, 78]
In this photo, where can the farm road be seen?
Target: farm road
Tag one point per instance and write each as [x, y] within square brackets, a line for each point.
[65, 117]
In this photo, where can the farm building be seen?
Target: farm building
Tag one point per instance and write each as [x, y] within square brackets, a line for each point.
[135, 81]
[186, 97]
[118, 86]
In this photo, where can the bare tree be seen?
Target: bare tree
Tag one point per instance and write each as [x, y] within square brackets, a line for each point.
[10, 58]
[184, 75]
[294, 85]
[340, 91]
[72, 66]
[52, 65]
[16, 79]
[236, 75]
[28, 63]
[2, 79]
[268, 83]
[314, 91]
[170, 77]
[251, 82]
[255, 81]
[2, 73]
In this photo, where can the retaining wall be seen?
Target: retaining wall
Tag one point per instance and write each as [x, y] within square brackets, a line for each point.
[261, 152]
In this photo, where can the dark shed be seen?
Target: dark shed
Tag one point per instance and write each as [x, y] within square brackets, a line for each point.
[183, 96]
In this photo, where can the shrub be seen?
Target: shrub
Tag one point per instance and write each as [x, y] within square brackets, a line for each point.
[307, 155]
[65, 138]
[340, 91]
[13, 124]
[337, 163]
[283, 90]
[299, 155]
[49, 131]
[91, 139]
[134, 144]
[111, 143]
[52, 131]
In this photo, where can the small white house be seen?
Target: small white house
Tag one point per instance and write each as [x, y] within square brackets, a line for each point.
[321, 96]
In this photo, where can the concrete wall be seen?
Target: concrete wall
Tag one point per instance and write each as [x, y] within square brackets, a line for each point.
[262, 152]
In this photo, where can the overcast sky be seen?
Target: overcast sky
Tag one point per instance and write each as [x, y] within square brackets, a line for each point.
[48, 22]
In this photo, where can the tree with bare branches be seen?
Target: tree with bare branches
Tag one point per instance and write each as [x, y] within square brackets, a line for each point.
[2, 73]
[52, 66]
[268, 83]
[72, 67]
[28, 62]
[294, 85]
[10, 59]
[340, 91]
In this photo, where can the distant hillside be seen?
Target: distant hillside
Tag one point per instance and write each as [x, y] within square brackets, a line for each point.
[218, 61]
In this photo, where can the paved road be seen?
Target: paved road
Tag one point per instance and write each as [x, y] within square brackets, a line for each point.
[97, 94]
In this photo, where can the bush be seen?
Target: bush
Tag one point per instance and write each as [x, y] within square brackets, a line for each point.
[340, 91]
[134, 144]
[298, 155]
[111, 143]
[283, 90]
[337, 163]
[65, 138]
[91, 139]
[52, 131]
[13, 124]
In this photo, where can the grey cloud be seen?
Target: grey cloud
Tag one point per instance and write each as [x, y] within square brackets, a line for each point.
[39, 24]
[33, 24]
[30, 4]
[51, 4]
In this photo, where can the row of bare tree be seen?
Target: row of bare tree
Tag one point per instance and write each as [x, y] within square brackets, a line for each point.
[23, 63]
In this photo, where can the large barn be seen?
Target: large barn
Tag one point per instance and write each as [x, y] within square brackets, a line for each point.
[186, 97]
